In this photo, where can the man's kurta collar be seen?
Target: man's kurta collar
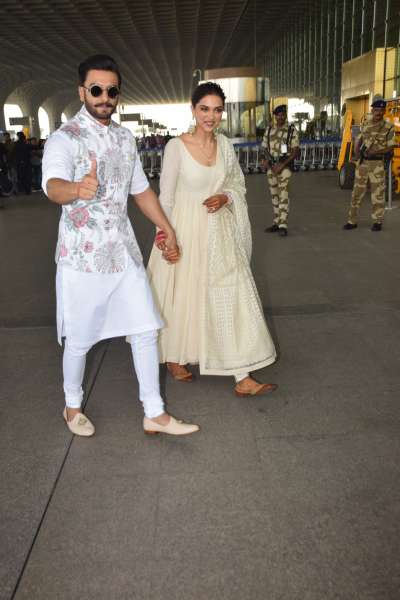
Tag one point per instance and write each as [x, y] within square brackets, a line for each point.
[99, 127]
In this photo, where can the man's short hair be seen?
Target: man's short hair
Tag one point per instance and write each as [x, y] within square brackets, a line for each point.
[282, 108]
[99, 62]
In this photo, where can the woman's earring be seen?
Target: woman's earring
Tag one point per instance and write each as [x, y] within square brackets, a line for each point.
[192, 126]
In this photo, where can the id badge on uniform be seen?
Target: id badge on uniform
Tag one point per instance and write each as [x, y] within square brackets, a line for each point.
[283, 148]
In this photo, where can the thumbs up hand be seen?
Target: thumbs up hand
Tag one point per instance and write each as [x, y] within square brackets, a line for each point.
[87, 187]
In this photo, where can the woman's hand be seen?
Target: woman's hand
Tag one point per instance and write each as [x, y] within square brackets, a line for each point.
[214, 203]
[159, 240]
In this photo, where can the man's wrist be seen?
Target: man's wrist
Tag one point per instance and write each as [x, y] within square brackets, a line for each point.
[168, 230]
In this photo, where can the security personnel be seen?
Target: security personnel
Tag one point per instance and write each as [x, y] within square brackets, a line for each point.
[280, 147]
[373, 146]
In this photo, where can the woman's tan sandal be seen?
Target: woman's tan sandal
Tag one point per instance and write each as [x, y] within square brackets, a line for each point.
[258, 390]
[180, 372]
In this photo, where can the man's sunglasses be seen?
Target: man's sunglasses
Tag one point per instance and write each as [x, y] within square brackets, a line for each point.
[97, 90]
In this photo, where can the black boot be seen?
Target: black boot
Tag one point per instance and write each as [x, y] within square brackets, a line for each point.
[272, 229]
[349, 226]
[376, 227]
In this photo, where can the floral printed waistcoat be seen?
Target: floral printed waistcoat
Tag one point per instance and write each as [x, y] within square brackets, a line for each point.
[96, 236]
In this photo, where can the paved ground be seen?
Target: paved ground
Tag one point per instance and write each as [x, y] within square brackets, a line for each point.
[290, 497]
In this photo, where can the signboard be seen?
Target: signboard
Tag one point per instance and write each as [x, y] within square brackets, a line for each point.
[130, 117]
[19, 121]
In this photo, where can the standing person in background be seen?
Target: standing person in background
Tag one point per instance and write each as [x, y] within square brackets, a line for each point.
[23, 164]
[90, 166]
[36, 161]
[9, 146]
[280, 146]
[4, 181]
[374, 144]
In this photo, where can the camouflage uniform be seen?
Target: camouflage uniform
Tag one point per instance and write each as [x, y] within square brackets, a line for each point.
[381, 136]
[278, 184]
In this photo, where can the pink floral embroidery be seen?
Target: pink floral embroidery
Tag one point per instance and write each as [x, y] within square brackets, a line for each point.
[88, 247]
[109, 258]
[79, 217]
[72, 127]
[97, 237]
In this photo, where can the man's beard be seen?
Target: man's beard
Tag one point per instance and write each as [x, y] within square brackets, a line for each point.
[96, 111]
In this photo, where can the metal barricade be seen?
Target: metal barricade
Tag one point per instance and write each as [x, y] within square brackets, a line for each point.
[304, 161]
[248, 155]
[152, 162]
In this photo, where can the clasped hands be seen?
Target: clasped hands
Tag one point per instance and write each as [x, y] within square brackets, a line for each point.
[168, 245]
[167, 242]
[276, 168]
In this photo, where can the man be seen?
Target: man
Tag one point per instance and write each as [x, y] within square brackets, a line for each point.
[280, 147]
[90, 165]
[4, 181]
[9, 146]
[23, 163]
[374, 144]
[36, 161]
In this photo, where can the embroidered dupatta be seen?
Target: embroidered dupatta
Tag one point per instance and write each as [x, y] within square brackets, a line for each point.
[235, 337]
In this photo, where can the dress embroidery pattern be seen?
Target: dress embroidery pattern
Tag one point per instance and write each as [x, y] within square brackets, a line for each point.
[97, 236]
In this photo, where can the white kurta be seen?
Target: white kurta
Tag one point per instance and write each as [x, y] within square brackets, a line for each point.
[102, 287]
[208, 300]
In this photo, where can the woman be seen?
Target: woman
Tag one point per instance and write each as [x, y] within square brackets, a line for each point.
[208, 300]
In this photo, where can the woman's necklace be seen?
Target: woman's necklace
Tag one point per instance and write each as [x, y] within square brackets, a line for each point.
[209, 157]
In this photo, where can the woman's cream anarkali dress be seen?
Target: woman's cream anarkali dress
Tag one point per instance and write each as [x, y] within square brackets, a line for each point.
[208, 300]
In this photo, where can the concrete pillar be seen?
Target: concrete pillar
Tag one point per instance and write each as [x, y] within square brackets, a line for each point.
[30, 97]
[72, 108]
[55, 105]
[9, 82]
[2, 116]
[30, 108]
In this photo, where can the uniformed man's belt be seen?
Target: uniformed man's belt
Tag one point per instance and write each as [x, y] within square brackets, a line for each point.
[280, 159]
[367, 158]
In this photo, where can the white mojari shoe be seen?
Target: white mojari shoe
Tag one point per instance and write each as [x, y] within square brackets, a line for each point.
[173, 427]
[79, 425]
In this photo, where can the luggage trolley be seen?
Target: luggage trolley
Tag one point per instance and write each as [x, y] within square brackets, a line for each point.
[242, 154]
[315, 155]
[324, 155]
[155, 163]
[335, 149]
[253, 158]
[145, 160]
[305, 155]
